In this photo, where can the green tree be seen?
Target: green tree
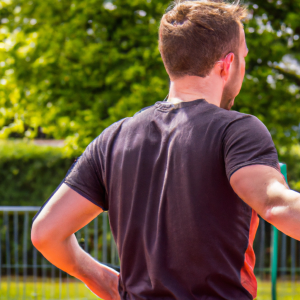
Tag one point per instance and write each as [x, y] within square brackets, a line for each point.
[271, 86]
[70, 68]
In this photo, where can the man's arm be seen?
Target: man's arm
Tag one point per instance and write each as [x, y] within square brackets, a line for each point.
[53, 235]
[265, 190]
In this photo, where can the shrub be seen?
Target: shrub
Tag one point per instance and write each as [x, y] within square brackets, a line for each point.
[30, 173]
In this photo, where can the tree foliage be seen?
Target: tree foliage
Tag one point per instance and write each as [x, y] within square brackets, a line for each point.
[29, 173]
[70, 68]
[271, 86]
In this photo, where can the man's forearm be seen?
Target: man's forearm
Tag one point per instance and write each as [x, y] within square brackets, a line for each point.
[69, 257]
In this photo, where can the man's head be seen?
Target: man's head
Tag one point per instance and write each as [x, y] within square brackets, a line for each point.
[194, 36]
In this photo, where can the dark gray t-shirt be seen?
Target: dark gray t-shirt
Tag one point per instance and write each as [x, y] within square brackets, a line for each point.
[163, 175]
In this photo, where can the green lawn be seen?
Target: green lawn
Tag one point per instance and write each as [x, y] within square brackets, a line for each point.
[75, 290]
[285, 290]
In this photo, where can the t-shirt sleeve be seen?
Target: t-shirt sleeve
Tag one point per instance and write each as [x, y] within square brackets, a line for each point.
[86, 177]
[247, 141]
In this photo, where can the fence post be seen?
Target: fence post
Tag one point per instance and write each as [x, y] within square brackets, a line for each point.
[274, 257]
[274, 260]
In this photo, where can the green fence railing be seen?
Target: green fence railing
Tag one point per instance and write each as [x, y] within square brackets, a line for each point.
[274, 249]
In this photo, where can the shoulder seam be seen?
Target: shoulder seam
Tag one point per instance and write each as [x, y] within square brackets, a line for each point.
[143, 109]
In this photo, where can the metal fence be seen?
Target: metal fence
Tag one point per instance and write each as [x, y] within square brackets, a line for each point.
[283, 280]
[26, 274]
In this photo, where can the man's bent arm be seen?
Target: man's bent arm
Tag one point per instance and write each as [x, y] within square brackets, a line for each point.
[53, 235]
[265, 190]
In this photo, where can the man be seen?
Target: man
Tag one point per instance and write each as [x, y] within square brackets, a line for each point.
[182, 180]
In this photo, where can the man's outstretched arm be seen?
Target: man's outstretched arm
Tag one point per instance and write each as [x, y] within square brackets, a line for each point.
[265, 190]
[53, 235]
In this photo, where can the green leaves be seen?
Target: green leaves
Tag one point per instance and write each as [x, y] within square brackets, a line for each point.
[68, 69]
[75, 64]
[30, 173]
[271, 87]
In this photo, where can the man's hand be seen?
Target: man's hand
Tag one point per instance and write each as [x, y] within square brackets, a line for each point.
[53, 235]
[265, 190]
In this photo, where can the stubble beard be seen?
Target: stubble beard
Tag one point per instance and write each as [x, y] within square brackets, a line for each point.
[227, 103]
[230, 89]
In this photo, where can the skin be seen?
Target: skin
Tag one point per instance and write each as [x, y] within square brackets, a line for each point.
[261, 187]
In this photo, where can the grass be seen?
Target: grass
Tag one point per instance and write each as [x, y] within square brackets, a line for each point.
[47, 290]
[286, 290]
[76, 290]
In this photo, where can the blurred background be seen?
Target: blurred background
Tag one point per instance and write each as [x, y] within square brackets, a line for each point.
[69, 69]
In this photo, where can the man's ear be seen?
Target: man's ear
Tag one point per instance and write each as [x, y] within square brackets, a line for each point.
[226, 65]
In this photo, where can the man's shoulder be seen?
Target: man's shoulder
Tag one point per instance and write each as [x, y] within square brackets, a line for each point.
[231, 122]
[229, 117]
[145, 109]
[239, 124]
[125, 123]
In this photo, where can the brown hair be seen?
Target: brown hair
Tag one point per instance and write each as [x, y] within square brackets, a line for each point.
[193, 35]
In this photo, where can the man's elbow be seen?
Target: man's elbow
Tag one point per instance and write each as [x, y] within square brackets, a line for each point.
[39, 237]
[275, 214]
[268, 215]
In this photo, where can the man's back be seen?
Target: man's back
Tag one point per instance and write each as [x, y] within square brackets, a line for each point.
[163, 175]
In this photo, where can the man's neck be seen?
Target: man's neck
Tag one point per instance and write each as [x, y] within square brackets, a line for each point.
[191, 88]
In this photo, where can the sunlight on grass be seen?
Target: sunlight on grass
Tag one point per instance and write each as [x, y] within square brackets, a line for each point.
[76, 290]
[48, 290]
[286, 290]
